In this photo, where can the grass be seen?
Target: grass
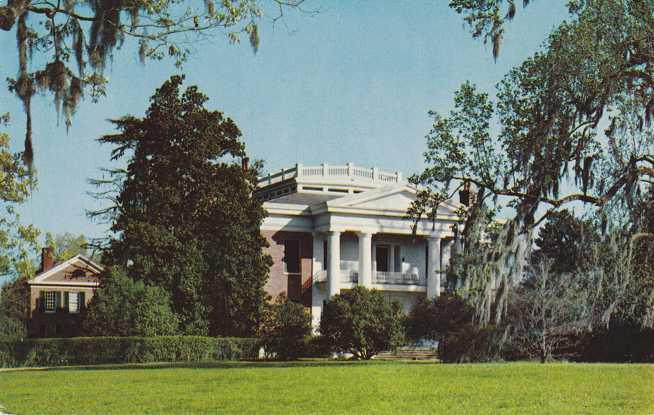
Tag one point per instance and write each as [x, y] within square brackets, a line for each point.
[333, 388]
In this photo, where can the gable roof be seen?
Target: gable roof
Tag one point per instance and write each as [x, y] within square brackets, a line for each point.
[76, 260]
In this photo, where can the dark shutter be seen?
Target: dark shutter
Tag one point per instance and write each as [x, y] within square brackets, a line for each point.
[40, 302]
[81, 298]
[66, 301]
[57, 300]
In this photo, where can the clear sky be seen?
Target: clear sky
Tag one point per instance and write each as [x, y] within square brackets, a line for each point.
[352, 84]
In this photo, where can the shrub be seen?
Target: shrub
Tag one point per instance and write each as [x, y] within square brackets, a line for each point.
[124, 307]
[286, 329]
[112, 350]
[471, 343]
[362, 322]
[450, 320]
[620, 343]
[434, 319]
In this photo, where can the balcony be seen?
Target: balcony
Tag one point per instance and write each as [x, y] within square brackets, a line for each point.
[378, 277]
[397, 278]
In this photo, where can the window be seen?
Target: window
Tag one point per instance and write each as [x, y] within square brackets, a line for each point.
[73, 302]
[397, 266]
[50, 301]
[292, 256]
[324, 255]
[381, 252]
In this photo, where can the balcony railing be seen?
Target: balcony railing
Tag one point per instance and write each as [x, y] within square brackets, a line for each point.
[399, 278]
[347, 275]
[348, 170]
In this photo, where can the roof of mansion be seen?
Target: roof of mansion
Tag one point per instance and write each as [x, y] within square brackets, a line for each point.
[325, 197]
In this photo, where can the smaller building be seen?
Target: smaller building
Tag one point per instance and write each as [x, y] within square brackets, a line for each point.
[58, 293]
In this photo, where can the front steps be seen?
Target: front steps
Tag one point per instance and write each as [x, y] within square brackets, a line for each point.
[409, 353]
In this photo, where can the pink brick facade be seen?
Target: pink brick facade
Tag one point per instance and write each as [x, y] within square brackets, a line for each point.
[296, 286]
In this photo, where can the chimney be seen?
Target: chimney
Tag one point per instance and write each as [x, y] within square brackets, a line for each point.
[245, 163]
[47, 258]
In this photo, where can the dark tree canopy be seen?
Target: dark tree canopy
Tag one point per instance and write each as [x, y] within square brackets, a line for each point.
[64, 46]
[183, 214]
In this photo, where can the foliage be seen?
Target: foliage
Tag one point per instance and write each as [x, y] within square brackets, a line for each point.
[63, 48]
[286, 329]
[67, 245]
[124, 307]
[362, 322]
[625, 343]
[17, 242]
[435, 318]
[473, 343]
[103, 350]
[548, 313]
[183, 214]
[539, 146]
[565, 241]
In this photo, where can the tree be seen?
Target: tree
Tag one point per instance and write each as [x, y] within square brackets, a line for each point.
[286, 329]
[183, 212]
[18, 242]
[545, 149]
[362, 322]
[63, 47]
[67, 245]
[565, 241]
[124, 307]
[548, 313]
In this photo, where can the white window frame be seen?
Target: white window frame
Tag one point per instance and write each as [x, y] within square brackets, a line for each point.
[73, 297]
[50, 298]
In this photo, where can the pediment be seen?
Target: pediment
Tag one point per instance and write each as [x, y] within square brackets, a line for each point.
[78, 269]
[396, 198]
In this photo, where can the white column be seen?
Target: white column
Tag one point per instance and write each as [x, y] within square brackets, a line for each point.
[433, 267]
[318, 253]
[334, 265]
[365, 259]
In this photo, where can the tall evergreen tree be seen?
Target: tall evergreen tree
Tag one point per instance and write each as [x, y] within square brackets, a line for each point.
[184, 216]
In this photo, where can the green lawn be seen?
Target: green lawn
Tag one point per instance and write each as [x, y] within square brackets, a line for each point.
[329, 388]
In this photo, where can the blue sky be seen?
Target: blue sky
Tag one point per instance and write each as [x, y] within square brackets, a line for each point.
[352, 84]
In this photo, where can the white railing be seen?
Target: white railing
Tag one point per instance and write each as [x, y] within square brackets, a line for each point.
[325, 170]
[320, 276]
[400, 278]
[347, 275]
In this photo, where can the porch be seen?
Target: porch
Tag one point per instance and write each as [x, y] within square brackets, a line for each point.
[389, 262]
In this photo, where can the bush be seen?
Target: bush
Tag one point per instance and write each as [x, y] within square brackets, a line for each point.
[471, 343]
[124, 307]
[623, 343]
[450, 320]
[112, 350]
[286, 330]
[362, 322]
[434, 319]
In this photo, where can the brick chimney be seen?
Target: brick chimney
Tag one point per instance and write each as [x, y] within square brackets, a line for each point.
[245, 163]
[47, 258]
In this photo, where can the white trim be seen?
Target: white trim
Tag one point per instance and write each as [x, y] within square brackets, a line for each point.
[40, 278]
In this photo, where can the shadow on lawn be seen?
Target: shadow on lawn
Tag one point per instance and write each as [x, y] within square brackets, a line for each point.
[233, 364]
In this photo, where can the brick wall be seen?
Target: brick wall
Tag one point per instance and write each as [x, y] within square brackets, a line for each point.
[294, 286]
[60, 323]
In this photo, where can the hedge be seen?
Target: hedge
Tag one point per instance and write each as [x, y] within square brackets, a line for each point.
[102, 350]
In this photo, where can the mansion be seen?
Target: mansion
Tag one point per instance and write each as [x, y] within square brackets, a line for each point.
[332, 227]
